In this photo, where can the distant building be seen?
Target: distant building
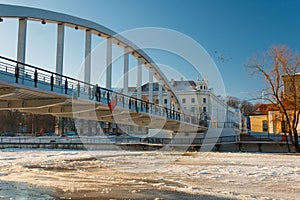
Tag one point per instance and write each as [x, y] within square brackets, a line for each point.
[199, 101]
[259, 119]
[267, 119]
[289, 82]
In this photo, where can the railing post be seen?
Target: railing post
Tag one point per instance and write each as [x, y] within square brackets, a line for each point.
[51, 82]
[35, 78]
[136, 106]
[17, 73]
[130, 103]
[66, 86]
[107, 97]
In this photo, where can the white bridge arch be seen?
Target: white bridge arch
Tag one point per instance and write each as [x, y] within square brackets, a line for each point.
[26, 13]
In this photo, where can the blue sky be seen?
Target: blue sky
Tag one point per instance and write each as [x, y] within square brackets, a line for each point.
[231, 31]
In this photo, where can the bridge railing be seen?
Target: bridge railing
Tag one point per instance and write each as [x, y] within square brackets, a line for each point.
[116, 140]
[29, 75]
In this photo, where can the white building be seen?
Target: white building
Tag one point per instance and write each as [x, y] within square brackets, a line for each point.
[199, 102]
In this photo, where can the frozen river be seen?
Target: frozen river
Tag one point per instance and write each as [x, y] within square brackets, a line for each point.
[42, 174]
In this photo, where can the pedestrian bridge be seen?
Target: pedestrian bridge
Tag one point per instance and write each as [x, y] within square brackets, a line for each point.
[36, 90]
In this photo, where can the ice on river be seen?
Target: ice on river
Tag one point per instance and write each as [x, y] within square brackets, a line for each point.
[223, 175]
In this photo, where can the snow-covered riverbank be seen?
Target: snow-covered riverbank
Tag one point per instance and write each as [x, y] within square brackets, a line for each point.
[121, 174]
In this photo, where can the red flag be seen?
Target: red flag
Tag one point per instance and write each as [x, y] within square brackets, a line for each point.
[112, 104]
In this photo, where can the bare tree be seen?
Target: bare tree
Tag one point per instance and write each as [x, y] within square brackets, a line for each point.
[279, 66]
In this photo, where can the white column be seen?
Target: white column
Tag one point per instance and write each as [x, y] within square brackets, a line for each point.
[60, 48]
[87, 61]
[160, 93]
[150, 86]
[169, 100]
[108, 63]
[139, 78]
[60, 57]
[176, 107]
[126, 68]
[21, 52]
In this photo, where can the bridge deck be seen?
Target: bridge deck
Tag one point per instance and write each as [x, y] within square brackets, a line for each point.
[39, 91]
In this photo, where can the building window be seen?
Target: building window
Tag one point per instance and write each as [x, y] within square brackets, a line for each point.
[204, 100]
[183, 100]
[265, 125]
[192, 109]
[165, 101]
[204, 109]
[192, 100]
[201, 87]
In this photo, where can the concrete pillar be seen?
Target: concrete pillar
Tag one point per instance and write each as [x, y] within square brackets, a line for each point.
[21, 51]
[169, 100]
[160, 93]
[87, 61]
[176, 107]
[139, 78]
[60, 48]
[126, 68]
[150, 86]
[108, 63]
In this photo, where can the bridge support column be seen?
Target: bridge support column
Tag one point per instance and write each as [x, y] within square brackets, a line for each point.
[60, 48]
[169, 100]
[87, 60]
[108, 63]
[126, 68]
[176, 107]
[21, 52]
[59, 67]
[150, 86]
[139, 79]
[160, 93]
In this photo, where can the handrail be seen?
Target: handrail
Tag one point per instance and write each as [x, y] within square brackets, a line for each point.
[74, 83]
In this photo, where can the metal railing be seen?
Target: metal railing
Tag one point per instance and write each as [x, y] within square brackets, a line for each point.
[114, 140]
[29, 75]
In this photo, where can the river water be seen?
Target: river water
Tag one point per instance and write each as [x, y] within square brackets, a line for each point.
[20, 191]
[24, 191]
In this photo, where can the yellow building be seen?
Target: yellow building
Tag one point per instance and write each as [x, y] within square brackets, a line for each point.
[259, 123]
[270, 122]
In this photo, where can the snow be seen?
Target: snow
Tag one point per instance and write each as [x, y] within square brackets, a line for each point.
[224, 175]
